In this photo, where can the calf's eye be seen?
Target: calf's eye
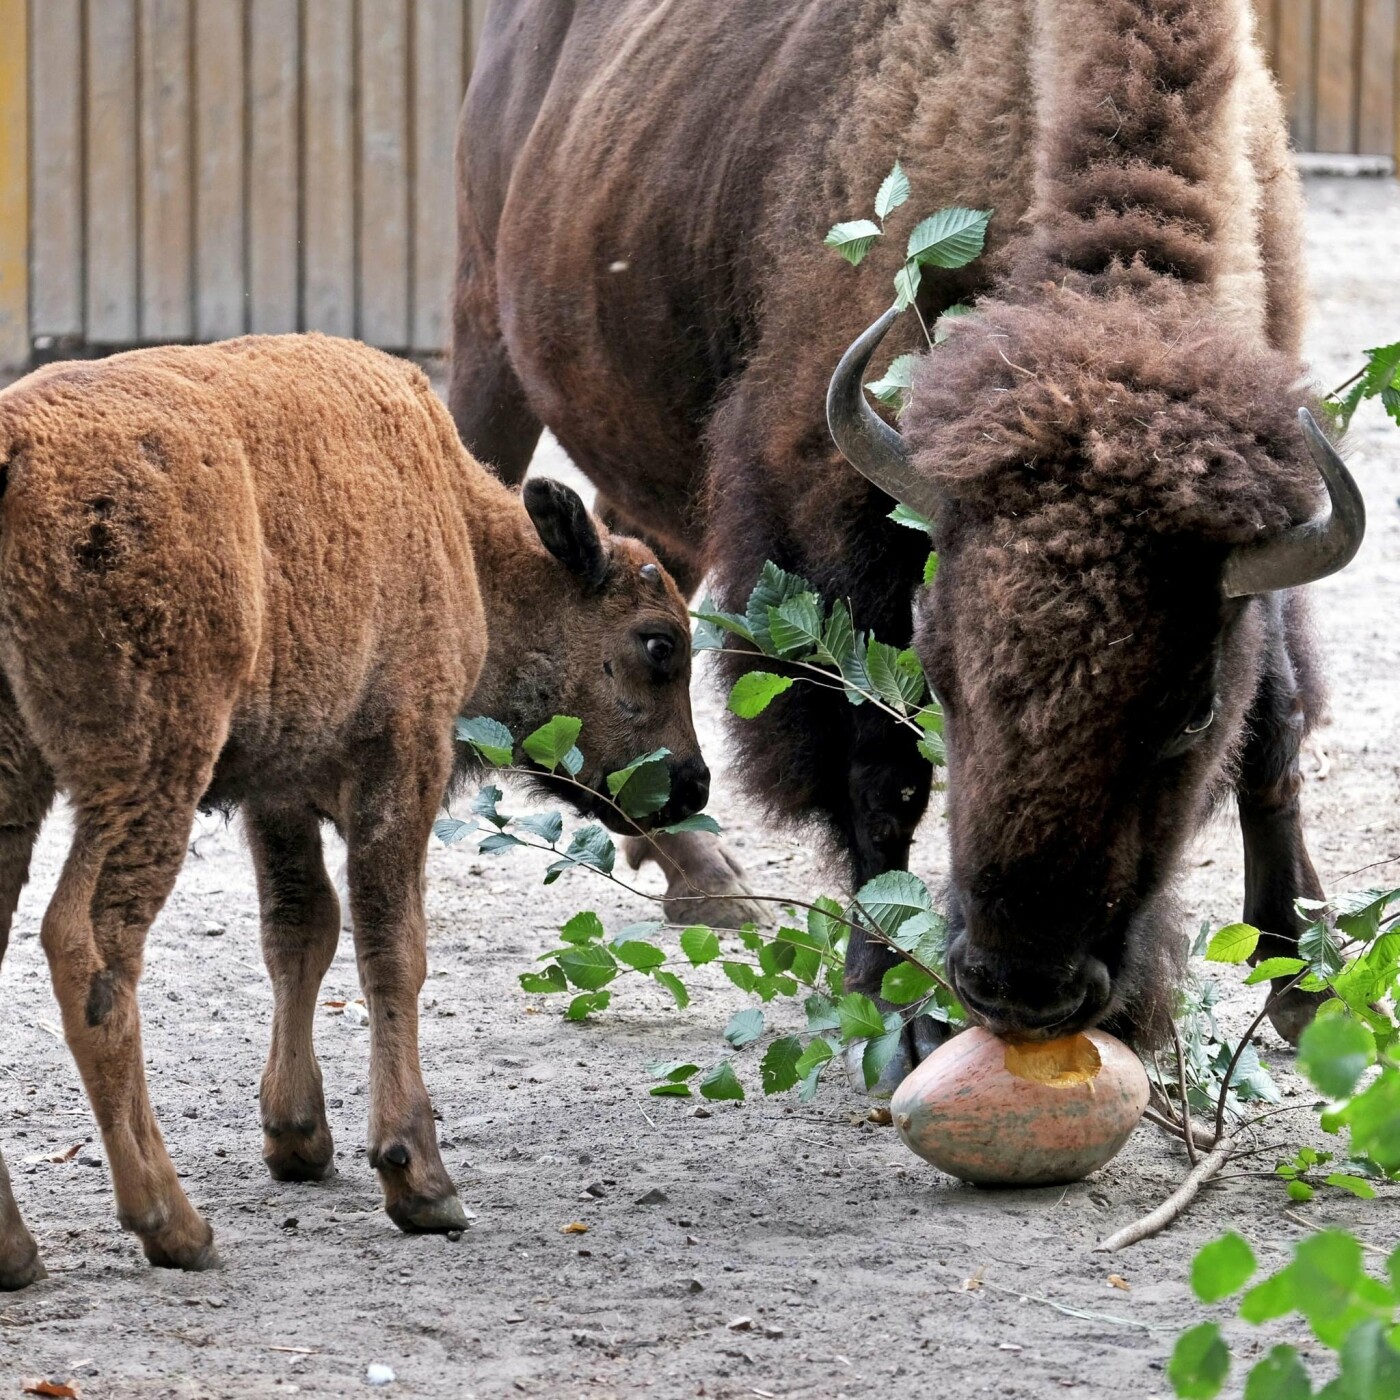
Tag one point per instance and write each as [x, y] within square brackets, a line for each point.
[660, 649]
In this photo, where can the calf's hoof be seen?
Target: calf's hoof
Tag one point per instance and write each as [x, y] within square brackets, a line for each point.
[299, 1154]
[417, 1215]
[704, 883]
[20, 1266]
[185, 1243]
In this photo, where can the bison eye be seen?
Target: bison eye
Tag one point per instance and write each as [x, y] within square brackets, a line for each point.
[660, 649]
[1201, 722]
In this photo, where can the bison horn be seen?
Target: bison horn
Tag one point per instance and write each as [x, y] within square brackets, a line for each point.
[866, 441]
[1310, 551]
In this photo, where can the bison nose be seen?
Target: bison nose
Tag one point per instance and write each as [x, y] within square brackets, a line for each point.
[690, 788]
[1010, 995]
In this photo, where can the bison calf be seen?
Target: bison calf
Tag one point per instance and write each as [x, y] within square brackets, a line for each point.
[267, 574]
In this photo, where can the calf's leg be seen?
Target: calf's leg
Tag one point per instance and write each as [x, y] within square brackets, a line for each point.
[1277, 868]
[26, 790]
[397, 794]
[300, 930]
[130, 840]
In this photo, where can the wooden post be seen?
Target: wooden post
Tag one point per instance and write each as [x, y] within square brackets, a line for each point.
[14, 184]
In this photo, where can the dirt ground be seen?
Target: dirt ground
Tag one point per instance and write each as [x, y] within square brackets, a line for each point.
[848, 1254]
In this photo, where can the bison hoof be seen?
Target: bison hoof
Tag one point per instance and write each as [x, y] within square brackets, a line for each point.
[304, 1152]
[922, 1036]
[416, 1215]
[24, 1268]
[1293, 1012]
[704, 883]
[193, 1256]
[284, 1165]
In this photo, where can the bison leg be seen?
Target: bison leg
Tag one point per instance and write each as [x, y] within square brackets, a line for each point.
[888, 788]
[1277, 868]
[391, 817]
[300, 930]
[487, 400]
[26, 790]
[130, 840]
[704, 883]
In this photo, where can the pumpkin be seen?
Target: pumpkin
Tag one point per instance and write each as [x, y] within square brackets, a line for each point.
[1021, 1113]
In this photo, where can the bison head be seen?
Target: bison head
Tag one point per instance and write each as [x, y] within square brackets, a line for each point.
[1118, 492]
[623, 662]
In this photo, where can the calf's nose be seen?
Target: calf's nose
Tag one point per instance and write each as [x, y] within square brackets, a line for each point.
[690, 788]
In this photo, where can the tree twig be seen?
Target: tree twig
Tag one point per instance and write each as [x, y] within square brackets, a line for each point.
[1187, 1134]
[1154, 1222]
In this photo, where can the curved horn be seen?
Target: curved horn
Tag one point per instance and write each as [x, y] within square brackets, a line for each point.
[866, 441]
[1311, 551]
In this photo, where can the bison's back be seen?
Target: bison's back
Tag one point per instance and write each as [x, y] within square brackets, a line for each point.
[270, 525]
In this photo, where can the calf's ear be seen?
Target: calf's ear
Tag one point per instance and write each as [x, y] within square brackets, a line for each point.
[566, 529]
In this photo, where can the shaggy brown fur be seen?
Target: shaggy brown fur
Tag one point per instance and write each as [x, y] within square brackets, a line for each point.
[266, 573]
[643, 190]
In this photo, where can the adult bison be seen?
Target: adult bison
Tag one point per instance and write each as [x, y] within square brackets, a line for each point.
[1122, 494]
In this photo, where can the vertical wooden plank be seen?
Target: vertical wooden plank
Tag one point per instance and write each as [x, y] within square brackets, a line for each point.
[328, 167]
[221, 219]
[14, 184]
[437, 93]
[273, 195]
[111, 209]
[478, 19]
[1380, 32]
[1336, 75]
[167, 308]
[56, 101]
[1295, 69]
[384, 248]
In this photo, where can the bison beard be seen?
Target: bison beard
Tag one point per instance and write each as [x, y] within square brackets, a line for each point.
[639, 268]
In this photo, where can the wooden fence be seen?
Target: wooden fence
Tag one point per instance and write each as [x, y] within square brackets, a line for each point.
[1338, 62]
[192, 169]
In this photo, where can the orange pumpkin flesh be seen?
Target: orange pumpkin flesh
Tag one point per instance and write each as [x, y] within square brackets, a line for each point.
[1034, 1113]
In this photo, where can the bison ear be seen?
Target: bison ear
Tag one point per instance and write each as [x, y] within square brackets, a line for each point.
[566, 529]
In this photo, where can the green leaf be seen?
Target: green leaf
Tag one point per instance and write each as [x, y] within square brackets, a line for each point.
[449, 830]
[822, 1014]
[1233, 944]
[1382, 369]
[1223, 1267]
[905, 983]
[893, 386]
[543, 983]
[753, 692]
[817, 1052]
[779, 1065]
[498, 841]
[859, 1017]
[700, 945]
[891, 899]
[701, 821]
[1326, 1268]
[585, 927]
[675, 986]
[589, 968]
[590, 846]
[894, 190]
[774, 587]
[643, 787]
[1334, 1052]
[906, 285]
[489, 737]
[1199, 1363]
[1356, 1185]
[548, 826]
[581, 1007]
[1274, 967]
[744, 1027]
[839, 636]
[796, 625]
[1373, 1118]
[670, 1091]
[1275, 1296]
[895, 675]
[950, 238]
[853, 239]
[824, 921]
[484, 805]
[911, 519]
[550, 743]
[741, 974]
[572, 762]
[1299, 1191]
[1318, 947]
[1370, 1368]
[881, 1049]
[674, 1070]
[713, 623]
[642, 956]
[721, 1083]
[942, 328]
[1279, 1376]
[1390, 401]
[930, 570]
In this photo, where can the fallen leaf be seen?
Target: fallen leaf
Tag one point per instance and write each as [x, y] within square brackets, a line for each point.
[576, 1227]
[65, 1155]
[1010, 1346]
[880, 1116]
[1118, 1281]
[334, 1005]
[296, 1351]
[740, 1324]
[37, 1385]
[971, 1285]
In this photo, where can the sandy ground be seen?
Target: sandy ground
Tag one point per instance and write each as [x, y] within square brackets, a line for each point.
[848, 1254]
